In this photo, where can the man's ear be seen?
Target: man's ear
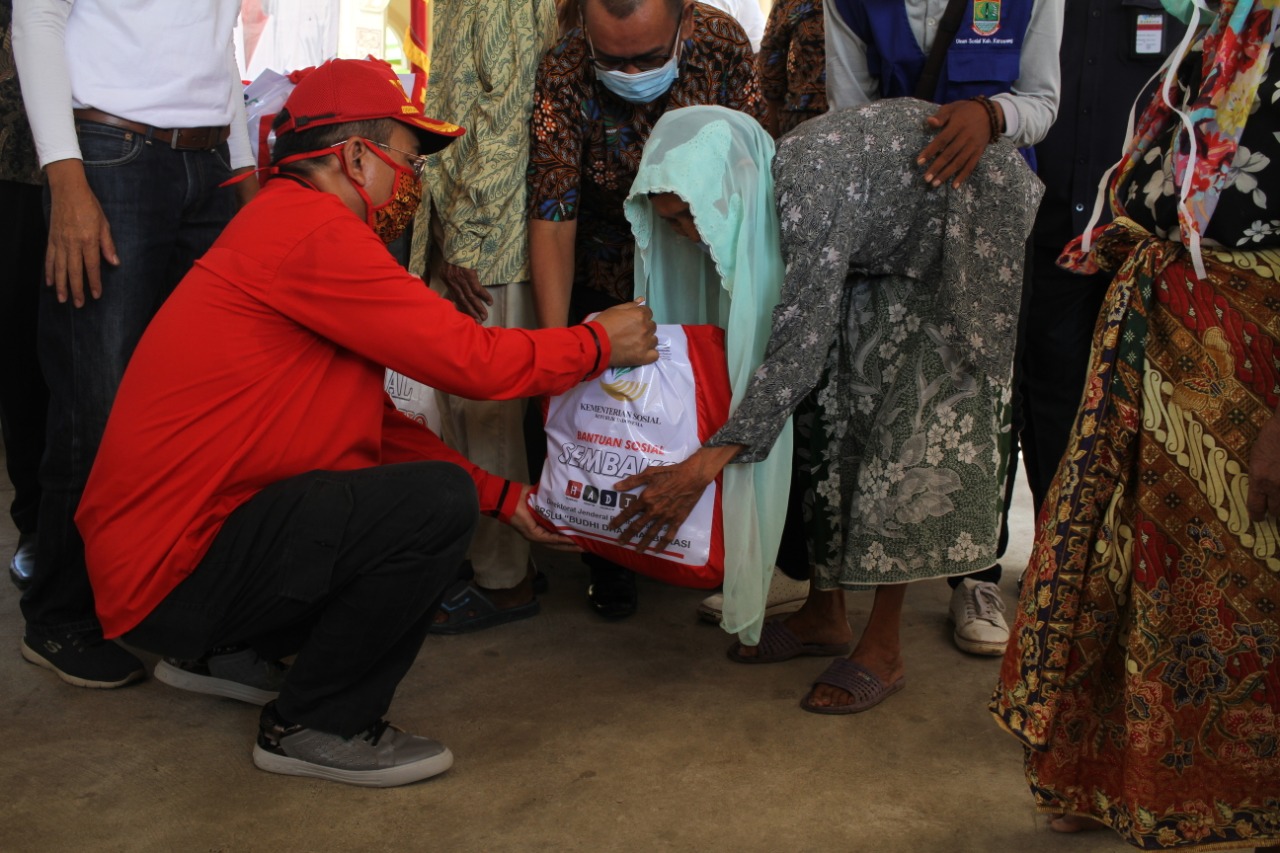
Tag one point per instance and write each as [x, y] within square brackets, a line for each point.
[686, 21]
[357, 161]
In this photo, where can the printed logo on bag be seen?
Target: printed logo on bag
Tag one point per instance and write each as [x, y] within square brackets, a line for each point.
[574, 489]
[986, 17]
[627, 500]
[591, 494]
[608, 498]
[625, 390]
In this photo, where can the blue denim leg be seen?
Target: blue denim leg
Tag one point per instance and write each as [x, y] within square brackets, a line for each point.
[165, 209]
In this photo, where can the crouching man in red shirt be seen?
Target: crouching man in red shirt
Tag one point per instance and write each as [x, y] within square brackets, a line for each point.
[256, 494]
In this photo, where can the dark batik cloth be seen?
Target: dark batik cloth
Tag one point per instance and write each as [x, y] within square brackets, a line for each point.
[1144, 670]
[17, 149]
[793, 62]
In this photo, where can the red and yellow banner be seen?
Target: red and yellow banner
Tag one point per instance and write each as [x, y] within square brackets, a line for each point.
[417, 48]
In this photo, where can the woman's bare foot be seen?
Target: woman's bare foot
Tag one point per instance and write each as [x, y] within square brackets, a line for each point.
[1075, 823]
[821, 620]
[879, 649]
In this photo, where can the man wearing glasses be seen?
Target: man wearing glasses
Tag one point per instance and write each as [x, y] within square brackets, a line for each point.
[256, 494]
[599, 92]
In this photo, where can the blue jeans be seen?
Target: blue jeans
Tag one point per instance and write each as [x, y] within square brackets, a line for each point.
[165, 210]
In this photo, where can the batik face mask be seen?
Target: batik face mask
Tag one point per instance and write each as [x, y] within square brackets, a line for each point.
[390, 219]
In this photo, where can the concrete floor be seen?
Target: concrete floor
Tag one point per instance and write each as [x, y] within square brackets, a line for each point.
[570, 734]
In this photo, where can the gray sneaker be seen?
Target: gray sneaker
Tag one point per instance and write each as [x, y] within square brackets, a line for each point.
[381, 756]
[241, 675]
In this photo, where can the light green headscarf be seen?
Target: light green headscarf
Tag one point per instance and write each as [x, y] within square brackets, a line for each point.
[718, 161]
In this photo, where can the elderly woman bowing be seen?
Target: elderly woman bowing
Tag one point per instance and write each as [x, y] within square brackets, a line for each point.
[899, 307]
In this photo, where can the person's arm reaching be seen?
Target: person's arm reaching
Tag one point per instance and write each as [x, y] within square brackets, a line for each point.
[403, 440]
[376, 309]
[670, 494]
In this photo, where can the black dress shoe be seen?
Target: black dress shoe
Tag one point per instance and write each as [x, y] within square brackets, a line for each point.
[23, 564]
[613, 591]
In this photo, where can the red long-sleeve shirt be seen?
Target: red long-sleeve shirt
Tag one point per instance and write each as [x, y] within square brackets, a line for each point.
[268, 362]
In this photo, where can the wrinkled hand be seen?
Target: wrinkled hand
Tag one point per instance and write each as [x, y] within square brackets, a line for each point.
[963, 131]
[466, 291]
[1264, 473]
[79, 235]
[670, 494]
[632, 334]
[523, 522]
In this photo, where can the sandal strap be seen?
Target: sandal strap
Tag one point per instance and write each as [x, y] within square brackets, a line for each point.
[855, 679]
[777, 639]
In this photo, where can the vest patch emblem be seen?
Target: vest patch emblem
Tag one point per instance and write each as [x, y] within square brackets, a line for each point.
[986, 17]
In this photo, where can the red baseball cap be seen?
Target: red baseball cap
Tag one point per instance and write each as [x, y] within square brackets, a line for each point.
[343, 90]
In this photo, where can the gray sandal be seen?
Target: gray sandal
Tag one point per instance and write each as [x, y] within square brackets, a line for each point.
[779, 643]
[859, 682]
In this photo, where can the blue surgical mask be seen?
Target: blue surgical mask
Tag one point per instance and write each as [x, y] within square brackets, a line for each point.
[643, 86]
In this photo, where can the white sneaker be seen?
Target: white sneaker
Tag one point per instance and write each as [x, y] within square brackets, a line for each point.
[785, 596]
[978, 613]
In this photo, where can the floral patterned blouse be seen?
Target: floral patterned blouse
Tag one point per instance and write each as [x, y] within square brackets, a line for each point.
[587, 142]
[1241, 220]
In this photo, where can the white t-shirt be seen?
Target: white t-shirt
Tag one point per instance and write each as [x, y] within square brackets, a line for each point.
[748, 14]
[166, 63]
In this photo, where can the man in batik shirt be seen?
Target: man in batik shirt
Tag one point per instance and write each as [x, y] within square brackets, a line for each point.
[472, 238]
[599, 92]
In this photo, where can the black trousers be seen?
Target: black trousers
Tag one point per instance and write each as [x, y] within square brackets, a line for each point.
[345, 569]
[24, 398]
[1064, 309]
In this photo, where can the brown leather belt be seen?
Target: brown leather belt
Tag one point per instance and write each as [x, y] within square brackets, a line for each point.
[180, 139]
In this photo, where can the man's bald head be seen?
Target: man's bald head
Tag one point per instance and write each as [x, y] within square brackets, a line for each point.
[622, 9]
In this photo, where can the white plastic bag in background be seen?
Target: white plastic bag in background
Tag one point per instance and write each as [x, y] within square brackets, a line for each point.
[416, 400]
[263, 98]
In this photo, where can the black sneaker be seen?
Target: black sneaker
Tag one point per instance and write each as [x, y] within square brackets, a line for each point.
[235, 674]
[612, 593]
[84, 661]
[23, 563]
[381, 756]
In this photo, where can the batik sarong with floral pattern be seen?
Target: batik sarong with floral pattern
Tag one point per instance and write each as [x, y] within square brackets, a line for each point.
[1143, 676]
